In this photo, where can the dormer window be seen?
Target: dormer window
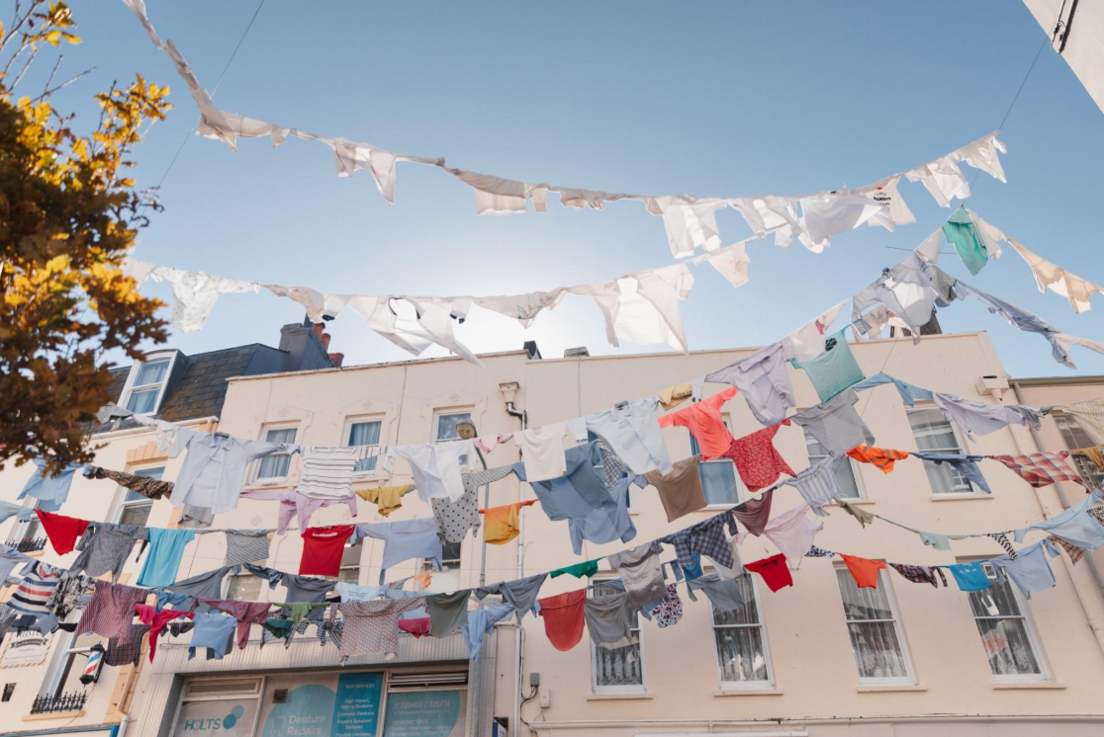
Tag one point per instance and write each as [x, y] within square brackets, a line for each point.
[146, 385]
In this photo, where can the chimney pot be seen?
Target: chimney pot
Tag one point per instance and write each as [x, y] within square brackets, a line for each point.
[338, 359]
[325, 338]
[318, 328]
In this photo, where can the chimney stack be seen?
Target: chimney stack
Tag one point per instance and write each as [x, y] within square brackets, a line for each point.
[338, 359]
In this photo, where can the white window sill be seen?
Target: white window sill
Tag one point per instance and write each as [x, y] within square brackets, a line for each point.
[960, 497]
[620, 696]
[269, 484]
[892, 688]
[765, 691]
[858, 502]
[1028, 685]
[55, 715]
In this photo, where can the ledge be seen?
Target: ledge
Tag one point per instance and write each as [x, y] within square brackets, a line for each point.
[961, 497]
[722, 693]
[643, 695]
[1029, 685]
[891, 689]
[860, 502]
[53, 715]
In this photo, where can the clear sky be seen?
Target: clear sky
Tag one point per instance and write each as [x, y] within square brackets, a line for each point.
[727, 99]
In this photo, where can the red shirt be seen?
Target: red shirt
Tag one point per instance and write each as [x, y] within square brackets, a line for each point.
[775, 572]
[63, 531]
[564, 618]
[757, 460]
[322, 548]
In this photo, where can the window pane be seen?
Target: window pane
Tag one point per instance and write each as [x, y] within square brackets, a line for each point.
[1076, 438]
[450, 553]
[749, 614]
[741, 653]
[135, 514]
[280, 435]
[152, 372]
[945, 479]
[245, 587]
[843, 467]
[151, 473]
[365, 433]
[446, 425]
[932, 431]
[276, 466]
[718, 479]
[995, 601]
[143, 401]
[862, 604]
[1008, 647]
[878, 653]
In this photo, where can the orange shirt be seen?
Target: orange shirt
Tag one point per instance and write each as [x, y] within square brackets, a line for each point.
[863, 570]
[883, 458]
[706, 423]
[501, 523]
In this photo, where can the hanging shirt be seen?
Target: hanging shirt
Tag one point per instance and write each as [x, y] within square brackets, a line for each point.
[386, 498]
[973, 417]
[520, 594]
[328, 472]
[165, 553]
[882, 458]
[793, 532]
[705, 538]
[818, 484]
[608, 621]
[755, 513]
[863, 570]
[244, 612]
[1075, 526]
[757, 460]
[564, 620]
[727, 595]
[294, 505]
[147, 486]
[835, 424]
[1041, 469]
[632, 432]
[454, 519]
[156, 620]
[183, 594]
[962, 233]
[436, 467]
[578, 570]
[502, 522]
[246, 546]
[104, 547]
[126, 650]
[542, 451]
[706, 423]
[675, 395]
[403, 540]
[764, 382]
[578, 492]
[447, 612]
[776, 574]
[680, 491]
[965, 465]
[835, 370]
[919, 574]
[110, 611]
[214, 632]
[909, 393]
[669, 611]
[970, 576]
[600, 526]
[35, 589]
[479, 624]
[487, 443]
[51, 492]
[807, 342]
[1058, 280]
[322, 549]
[63, 531]
[1029, 570]
[214, 468]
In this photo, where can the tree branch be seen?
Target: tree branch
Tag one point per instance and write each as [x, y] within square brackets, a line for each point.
[23, 71]
[53, 73]
[64, 84]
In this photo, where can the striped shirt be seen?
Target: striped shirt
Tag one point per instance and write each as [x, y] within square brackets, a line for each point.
[111, 611]
[1090, 415]
[1041, 469]
[35, 589]
[243, 546]
[328, 472]
[817, 484]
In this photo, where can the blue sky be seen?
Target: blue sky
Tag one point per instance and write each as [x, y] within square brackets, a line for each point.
[725, 99]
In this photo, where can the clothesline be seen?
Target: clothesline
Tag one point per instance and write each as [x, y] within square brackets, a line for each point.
[689, 220]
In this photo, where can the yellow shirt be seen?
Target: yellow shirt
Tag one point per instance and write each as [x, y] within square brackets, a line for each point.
[387, 498]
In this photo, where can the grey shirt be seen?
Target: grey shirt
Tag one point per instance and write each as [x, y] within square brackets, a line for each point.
[835, 423]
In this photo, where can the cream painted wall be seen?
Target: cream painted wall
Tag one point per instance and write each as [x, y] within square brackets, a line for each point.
[1084, 50]
[815, 687]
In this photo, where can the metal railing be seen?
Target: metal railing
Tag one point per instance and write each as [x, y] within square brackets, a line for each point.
[30, 545]
[65, 702]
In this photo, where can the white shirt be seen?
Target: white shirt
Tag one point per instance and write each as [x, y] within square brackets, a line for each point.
[543, 451]
[631, 430]
[435, 466]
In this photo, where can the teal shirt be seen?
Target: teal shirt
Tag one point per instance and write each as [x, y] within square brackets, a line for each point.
[961, 231]
[833, 371]
[163, 559]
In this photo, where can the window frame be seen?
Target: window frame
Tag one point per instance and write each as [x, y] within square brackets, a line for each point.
[465, 409]
[342, 567]
[639, 630]
[377, 471]
[254, 473]
[58, 671]
[766, 685]
[856, 472]
[960, 439]
[1084, 467]
[122, 504]
[1033, 636]
[695, 449]
[884, 584]
[19, 531]
[129, 387]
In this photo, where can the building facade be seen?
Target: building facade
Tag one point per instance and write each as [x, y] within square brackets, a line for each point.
[819, 658]
[1076, 31]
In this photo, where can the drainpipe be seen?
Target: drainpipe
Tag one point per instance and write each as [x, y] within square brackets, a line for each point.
[1096, 630]
[509, 392]
[123, 723]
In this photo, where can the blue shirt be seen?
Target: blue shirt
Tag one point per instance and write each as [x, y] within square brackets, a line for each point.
[966, 465]
[1030, 571]
[163, 559]
[479, 623]
[970, 576]
[910, 393]
[834, 370]
[411, 538]
[214, 632]
[1073, 525]
[50, 492]
[578, 492]
[600, 526]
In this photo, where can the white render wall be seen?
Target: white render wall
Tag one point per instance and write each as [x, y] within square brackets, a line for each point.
[816, 689]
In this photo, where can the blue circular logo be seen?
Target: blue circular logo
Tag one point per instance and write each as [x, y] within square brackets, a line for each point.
[232, 718]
